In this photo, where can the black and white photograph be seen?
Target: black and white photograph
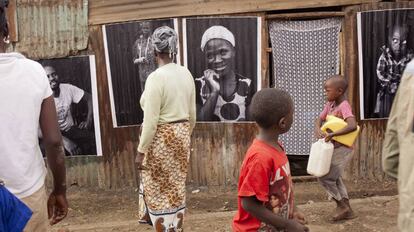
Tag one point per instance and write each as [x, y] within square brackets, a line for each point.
[224, 57]
[130, 59]
[73, 82]
[385, 43]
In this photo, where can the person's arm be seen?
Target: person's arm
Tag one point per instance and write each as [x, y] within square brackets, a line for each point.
[257, 210]
[351, 126]
[381, 70]
[206, 111]
[152, 108]
[318, 132]
[87, 124]
[349, 117]
[391, 148]
[52, 139]
[193, 108]
[299, 216]
[319, 120]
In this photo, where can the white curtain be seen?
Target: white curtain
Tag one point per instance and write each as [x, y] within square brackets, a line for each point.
[305, 54]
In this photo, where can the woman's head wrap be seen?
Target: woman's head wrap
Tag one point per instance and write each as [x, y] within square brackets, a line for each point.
[4, 29]
[164, 40]
[217, 32]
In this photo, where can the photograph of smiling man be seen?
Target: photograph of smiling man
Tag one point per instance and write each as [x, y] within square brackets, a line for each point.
[223, 55]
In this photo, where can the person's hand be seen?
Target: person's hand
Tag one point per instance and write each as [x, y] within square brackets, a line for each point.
[87, 124]
[300, 217]
[70, 146]
[294, 226]
[140, 60]
[74, 150]
[57, 207]
[139, 160]
[144, 60]
[329, 137]
[319, 133]
[211, 78]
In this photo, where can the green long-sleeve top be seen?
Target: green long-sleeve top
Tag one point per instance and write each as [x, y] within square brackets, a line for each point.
[169, 96]
[398, 147]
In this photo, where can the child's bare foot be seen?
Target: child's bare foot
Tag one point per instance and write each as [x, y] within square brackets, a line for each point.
[342, 211]
[351, 214]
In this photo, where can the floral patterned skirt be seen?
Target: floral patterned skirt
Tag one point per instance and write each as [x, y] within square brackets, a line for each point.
[166, 167]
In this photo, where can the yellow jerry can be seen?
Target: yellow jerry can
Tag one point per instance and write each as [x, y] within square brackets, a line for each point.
[334, 124]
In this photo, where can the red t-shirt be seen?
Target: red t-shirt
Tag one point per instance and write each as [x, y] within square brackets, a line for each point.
[265, 174]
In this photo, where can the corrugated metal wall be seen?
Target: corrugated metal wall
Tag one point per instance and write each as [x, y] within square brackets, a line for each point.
[103, 11]
[218, 149]
[51, 28]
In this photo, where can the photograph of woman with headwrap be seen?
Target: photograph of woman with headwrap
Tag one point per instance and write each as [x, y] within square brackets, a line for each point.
[130, 59]
[144, 53]
[223, 54]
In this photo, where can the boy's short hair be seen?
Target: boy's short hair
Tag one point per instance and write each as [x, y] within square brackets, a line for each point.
[269, 105]
[339, 81]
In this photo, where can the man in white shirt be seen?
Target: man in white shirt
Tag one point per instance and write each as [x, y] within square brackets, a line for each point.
[26, 105]
[65, 95]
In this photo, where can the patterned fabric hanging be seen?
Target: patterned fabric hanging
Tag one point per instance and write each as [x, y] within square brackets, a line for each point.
[305, 54]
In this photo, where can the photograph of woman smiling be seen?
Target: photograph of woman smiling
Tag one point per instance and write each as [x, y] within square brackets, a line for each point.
[225, 83]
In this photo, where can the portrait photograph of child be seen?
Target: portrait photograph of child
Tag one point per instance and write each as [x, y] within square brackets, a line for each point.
[385, 44]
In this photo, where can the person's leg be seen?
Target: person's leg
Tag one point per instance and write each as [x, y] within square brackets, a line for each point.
[341, 185]
[83, 138]
[342, 188]
[330, 182]
[37, 202]
[164, 179]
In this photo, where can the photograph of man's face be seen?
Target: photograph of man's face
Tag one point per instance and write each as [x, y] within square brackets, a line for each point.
[53, 77]
[71, 82]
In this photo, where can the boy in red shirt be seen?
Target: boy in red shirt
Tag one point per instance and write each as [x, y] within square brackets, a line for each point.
[265, 172]
[338, 106]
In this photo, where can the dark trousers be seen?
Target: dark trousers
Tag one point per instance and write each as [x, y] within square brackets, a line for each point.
[85, 139]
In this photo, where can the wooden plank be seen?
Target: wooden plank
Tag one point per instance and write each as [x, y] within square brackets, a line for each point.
[118, 145]
[265, 56]
[102, 11]
[217, 152]
[12, 20]
[351, 73]
[306, 15]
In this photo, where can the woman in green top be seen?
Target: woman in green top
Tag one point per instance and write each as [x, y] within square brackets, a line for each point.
[169, 106]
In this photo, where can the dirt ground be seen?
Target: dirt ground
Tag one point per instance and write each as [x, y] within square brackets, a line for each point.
[376, 205]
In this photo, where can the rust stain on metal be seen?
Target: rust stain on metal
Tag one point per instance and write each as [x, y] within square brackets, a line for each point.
[12, 20]
[49, 29]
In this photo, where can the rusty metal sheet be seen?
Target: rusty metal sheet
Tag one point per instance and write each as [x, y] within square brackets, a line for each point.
[51, 28]
[12, 20]
[104, 11]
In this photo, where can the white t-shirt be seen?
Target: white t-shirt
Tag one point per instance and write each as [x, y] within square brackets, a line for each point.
[23, 87]
[68, 94]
